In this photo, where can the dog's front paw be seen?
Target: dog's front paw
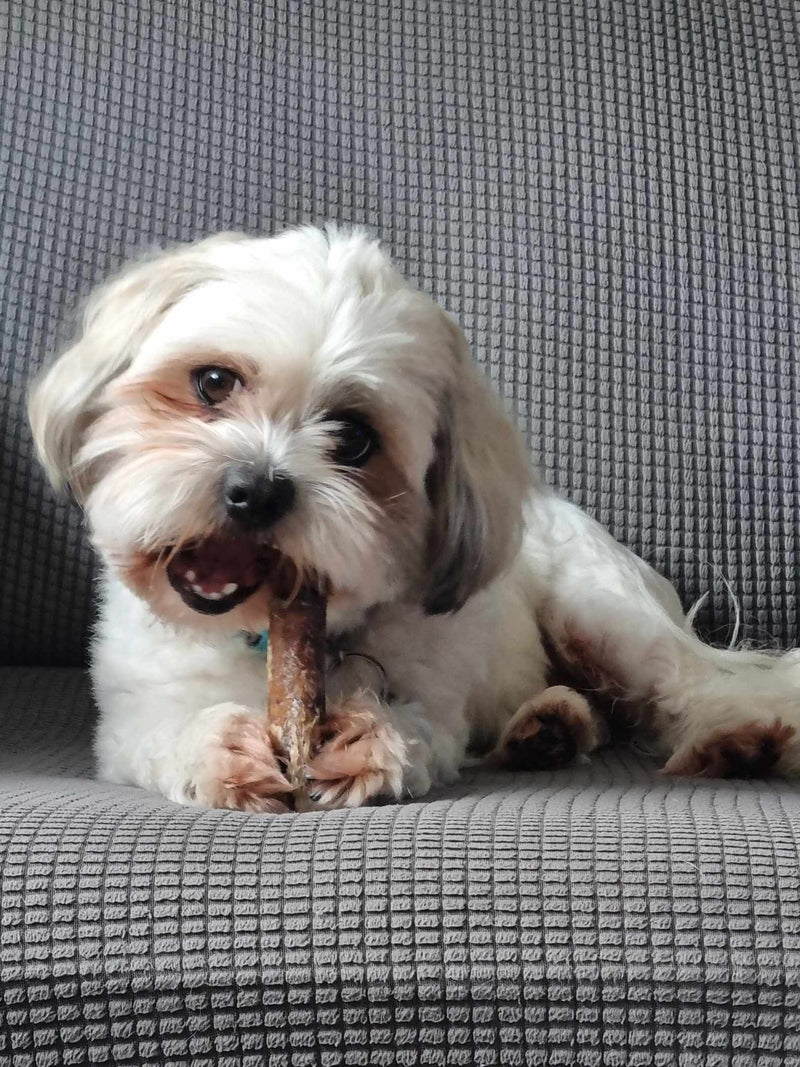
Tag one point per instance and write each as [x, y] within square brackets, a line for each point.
[360, 756]
[243, 771]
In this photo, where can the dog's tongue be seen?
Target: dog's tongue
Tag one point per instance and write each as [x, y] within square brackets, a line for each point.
[220, 565]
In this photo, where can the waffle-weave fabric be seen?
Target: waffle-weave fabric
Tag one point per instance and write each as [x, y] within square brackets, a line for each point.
[597, 915]
[604, 193]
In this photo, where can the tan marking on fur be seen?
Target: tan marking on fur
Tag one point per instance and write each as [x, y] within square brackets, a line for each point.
[148, 424]
[359, 756]
[170, 390]
[401, 519]
[137, 571]
[248, 775]
[143, 571]
[580, 654]
[549, 730]
[575, 663]
[385, 481]
[748, 751]
[145, 574]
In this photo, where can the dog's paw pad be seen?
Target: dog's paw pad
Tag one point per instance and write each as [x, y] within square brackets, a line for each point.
[549, 731]
[751, 750]
[360, 757]
[248, 775]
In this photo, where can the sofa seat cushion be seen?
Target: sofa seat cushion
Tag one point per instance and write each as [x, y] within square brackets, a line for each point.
[600, 914]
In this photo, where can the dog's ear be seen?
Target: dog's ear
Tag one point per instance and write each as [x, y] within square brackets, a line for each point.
[477, 486]
[118, 317]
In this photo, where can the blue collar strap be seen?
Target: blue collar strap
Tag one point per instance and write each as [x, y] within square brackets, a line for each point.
[257, 642]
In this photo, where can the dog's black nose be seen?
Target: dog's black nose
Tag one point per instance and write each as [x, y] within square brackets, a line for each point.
[255, 497]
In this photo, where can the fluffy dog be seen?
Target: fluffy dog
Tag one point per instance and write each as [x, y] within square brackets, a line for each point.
[240, 395]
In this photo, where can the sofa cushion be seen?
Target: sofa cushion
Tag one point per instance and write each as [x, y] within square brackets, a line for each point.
[599, 915]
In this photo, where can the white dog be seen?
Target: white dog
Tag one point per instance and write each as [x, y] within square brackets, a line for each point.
[296, 392]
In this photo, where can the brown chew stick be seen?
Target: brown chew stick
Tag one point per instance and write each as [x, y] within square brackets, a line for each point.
[296, 681]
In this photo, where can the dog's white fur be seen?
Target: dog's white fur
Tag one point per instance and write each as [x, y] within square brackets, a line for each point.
[455, 581]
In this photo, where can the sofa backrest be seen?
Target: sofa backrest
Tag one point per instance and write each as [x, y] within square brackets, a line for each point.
[605, 194]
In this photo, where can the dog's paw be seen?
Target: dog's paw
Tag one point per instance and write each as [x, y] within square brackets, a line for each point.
[751, 750]
[548, 731]
[360, 756]
[243, 771]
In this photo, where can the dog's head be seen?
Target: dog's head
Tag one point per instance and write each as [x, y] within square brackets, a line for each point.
[240, 396]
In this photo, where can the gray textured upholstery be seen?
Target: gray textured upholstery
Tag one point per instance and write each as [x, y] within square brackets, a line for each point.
[595, 915]
[606, 195]
[604, 192]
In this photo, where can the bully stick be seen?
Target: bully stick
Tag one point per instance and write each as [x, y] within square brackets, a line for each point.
[296, 680]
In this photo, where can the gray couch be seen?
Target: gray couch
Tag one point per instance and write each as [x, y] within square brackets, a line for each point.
[606, 193]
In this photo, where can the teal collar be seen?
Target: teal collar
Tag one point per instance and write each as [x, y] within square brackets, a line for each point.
[257, 642]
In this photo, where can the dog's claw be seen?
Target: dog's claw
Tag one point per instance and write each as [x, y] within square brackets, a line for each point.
[361, 757]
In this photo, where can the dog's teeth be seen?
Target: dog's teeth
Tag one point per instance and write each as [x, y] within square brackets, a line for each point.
[191, 576]
[206, 596]
[231, 587]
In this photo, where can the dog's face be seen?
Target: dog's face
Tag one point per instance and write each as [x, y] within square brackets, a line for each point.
[240, 402]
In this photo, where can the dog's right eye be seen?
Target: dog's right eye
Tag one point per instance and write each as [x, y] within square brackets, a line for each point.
[215, 384]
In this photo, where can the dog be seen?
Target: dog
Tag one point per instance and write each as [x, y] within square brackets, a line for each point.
[241, 395]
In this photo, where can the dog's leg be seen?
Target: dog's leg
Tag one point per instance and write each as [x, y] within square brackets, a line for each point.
[360, 755]
[369, 749]
[179, 715]
[548, 731]
[715, 711]
[219, 757]
[397, 720]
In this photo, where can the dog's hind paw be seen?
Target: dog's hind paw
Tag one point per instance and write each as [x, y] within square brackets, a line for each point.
[548, 731]
[751, 750]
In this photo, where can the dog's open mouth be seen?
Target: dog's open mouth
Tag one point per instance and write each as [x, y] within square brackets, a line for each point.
[220, 573]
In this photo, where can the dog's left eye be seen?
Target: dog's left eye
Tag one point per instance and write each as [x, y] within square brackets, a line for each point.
[355, 440]
[215, 384]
